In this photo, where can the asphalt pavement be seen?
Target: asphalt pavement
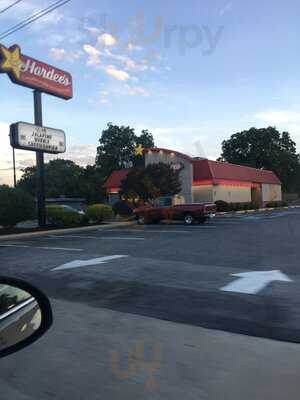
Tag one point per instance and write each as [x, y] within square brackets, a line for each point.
[164, 311]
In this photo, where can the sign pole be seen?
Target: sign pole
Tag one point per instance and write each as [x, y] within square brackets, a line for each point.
[14, 166]
[41, 203]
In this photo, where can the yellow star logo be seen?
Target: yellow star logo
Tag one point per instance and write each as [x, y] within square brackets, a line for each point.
[12, 60]
[139, 150]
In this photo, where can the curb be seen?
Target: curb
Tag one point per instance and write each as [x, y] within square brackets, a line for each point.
[256, 211]
[28, 235]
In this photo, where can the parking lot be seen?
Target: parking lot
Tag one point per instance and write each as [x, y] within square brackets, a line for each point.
[151, 290]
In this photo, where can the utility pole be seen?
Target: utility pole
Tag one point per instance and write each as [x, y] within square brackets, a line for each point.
[40, 189]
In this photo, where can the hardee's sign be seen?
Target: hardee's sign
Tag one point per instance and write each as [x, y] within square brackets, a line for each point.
[27, 71]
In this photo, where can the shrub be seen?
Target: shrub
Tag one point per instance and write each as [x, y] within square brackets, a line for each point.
[237, 206]
[254, 206]
[222, 206]
[15, 206]
[231, 207]
[246, 206]
[61, 217]
[276, 204]
[99, 212]
[123, 208]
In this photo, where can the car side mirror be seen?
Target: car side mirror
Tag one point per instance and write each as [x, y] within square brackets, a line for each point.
[25, 315]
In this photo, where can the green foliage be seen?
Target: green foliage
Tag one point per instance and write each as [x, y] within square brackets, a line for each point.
[15, 206]
[254, 206]
[123, 208]
[147, 141]
[99, 212]
[150, 183]
[276, 204]
[62, 217]
[246, 206]
[65, 178]
[62, 179]
[91, 185]
[265, 148]
[222, 206]
[117, 148]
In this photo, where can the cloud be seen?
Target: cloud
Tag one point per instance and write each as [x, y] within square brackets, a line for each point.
[56, 53]
[93, 30]
[93, 55]
[61, 54]
[107, 40]
[118, 74]
[134, 47]
[137, 91]
[126, 61]
[104, 97]
[278, 117]
[174, 138]
[81, 154]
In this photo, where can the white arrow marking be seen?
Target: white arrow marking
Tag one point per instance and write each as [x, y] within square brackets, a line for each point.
[86, 263]
[254, 282]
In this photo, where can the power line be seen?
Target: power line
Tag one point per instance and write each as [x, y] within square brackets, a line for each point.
[33, 18]
[10, 6]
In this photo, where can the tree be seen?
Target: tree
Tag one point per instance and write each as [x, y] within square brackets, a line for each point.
[265, 148]
[117, 148]
[91, 185]
[62, 177]
[15, 206]
[65, 178]
[152, 182]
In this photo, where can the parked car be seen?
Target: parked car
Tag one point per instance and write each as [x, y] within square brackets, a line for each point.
[189, 213]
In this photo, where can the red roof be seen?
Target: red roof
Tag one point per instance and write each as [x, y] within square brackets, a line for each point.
[115, 179]
[205, 170]
[215, 170]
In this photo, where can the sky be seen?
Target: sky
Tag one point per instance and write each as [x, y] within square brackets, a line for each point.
[191, 72]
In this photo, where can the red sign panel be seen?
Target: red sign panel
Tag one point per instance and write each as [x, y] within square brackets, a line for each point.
[34, 74]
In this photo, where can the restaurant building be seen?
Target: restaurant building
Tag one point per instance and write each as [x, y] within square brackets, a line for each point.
[204, 180]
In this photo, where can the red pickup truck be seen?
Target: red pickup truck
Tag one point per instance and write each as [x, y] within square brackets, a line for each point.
[189, 213]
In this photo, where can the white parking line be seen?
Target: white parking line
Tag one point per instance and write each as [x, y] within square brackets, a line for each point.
[200, 227]
[93, 237]
[228, 222]
[121, 238]
[147, 230]
[40, 247]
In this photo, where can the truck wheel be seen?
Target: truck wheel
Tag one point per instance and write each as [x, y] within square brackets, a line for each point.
[189, 219]
[141, 220]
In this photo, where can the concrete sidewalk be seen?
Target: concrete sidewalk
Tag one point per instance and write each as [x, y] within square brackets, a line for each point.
[256, 211]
